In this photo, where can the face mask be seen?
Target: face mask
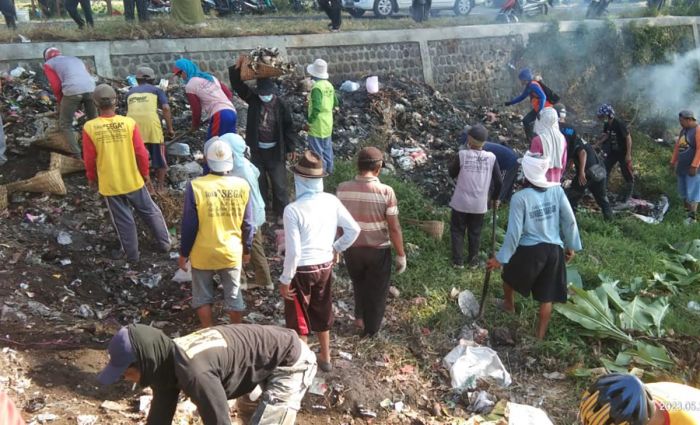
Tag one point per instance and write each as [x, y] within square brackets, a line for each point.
[266, 98]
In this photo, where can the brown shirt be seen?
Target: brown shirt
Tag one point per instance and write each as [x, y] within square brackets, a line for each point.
[369, 202]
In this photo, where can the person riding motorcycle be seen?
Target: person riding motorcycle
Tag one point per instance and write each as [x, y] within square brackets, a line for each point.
[622, 399]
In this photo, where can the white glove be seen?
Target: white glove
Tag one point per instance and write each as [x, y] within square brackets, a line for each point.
[400, 264]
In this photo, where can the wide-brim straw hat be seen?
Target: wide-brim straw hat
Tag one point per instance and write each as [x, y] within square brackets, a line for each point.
[65, 164]
[318, 69]
[56, 140]
[43, 182]
[310, 165]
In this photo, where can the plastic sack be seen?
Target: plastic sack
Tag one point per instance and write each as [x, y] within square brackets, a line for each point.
[183, 276]
[179, 149]
[349, 86]
[468, 304]
[521, 414]
[372, 84]
[476, 363]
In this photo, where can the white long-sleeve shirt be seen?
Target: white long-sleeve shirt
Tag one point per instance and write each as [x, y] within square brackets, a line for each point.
[310, 228]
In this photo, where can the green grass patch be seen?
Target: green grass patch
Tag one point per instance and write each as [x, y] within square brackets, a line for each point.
[623, 249]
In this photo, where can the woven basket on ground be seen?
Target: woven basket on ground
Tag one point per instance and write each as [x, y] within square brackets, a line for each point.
[54, 139]
[434, 228]
[43, 182]
[3, 198]
[65, 164]
[261, 70]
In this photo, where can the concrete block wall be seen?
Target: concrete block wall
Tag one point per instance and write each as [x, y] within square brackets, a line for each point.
[468, 61]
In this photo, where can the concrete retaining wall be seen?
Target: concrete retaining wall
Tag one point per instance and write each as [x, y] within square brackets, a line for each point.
[469, 60]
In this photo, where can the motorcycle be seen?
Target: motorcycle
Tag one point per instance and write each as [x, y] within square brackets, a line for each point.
[239, 7]
[513, 10]
[597, 8]
[158, 6]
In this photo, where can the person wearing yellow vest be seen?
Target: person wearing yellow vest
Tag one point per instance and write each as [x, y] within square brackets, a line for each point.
[322, 100]
[217, 233]
[116, 163]
[143, 103]
[620, 398]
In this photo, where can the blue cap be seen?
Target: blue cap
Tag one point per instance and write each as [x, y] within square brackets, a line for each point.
[121, 356]
[525, 75]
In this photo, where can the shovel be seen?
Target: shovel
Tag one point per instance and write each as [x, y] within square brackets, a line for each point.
[487, 276]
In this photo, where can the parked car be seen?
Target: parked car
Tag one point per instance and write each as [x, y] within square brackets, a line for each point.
[385, 8]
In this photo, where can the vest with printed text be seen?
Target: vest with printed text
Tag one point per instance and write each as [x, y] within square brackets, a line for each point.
[322, 127]
[221, 203]
[117, 171]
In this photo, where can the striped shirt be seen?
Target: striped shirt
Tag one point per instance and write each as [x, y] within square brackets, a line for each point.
[369, 202]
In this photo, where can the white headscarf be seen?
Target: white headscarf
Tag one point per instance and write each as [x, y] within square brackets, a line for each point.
[535, 170]
[553, 142]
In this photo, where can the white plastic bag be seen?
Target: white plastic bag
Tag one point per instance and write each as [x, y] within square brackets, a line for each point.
[521, 414]
[372, 84]
[475, 363]
[349, 86]
[183, 276]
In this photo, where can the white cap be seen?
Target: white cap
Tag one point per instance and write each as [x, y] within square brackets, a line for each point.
[219, 156]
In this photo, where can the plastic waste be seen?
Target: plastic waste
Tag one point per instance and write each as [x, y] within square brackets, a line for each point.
[151, 281]
[694, 306]
[468, 364]
[64, 238]
[131, 79]
[349, 86]
[372, 84]
[178, 149]
[183, 276]
[17, 72]
[480, 402]
[521, 414]
[468, 304]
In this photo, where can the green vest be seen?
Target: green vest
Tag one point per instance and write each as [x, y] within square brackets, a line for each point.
[322, 125]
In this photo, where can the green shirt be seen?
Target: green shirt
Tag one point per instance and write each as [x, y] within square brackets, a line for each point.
[322, 100]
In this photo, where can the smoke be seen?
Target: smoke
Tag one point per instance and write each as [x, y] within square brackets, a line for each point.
[661, 91]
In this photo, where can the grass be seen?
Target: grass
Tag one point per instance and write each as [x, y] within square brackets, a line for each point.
[623, 248]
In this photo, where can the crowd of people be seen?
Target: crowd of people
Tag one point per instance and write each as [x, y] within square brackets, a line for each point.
[268, 369]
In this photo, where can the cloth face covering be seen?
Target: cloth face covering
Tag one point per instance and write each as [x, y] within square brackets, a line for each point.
[553, 142]
[307, 187]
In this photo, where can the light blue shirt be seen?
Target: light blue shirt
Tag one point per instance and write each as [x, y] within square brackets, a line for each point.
[539, 217]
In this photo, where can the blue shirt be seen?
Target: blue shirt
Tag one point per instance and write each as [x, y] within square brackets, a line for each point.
[506, 157]
[539, 216]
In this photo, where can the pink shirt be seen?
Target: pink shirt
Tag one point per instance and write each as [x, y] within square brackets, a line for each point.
[553, 174]
[211, 96]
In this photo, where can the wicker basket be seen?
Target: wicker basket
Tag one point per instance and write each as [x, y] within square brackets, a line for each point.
[3, 198]
[434, 228]
[65, 164]
[56, 140]
[262, 70]
[43, 182]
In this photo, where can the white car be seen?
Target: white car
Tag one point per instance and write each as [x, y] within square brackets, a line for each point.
[385, 8]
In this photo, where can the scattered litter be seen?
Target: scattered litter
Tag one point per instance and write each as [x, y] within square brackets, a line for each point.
[481, 402]
[86, 419]
[386, 403]
[556, 376]
[472, 364]
[183, 276]
[114, 406]
[364, 412]
[151, 281]
[694, 306]
[468, 304]
[85, 311]
[46, 417]
[35, 404]
[394, 292]
[64, 238]
[17, 72]
[399, 406]
[65, 261]
[520, 414]
[319, 386]
[145, 403]
[344, 355]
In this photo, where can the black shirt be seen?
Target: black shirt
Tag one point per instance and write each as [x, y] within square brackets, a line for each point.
[570, 135]
[217, 364]
[574, 149]
[617, 136]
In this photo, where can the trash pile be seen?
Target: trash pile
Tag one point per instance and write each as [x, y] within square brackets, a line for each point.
[417, 126]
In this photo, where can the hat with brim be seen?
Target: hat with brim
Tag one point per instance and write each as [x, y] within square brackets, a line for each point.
[146, 73]
[535, 170]
[478, 134]
[121, 356]
[104, 95]
[310, 165]
[219, 155]
[318, 69]
[686, 113]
